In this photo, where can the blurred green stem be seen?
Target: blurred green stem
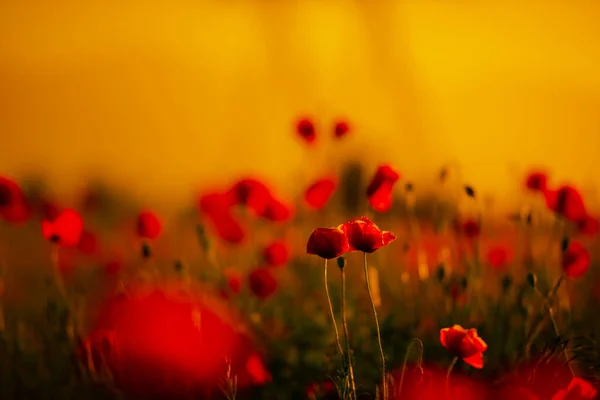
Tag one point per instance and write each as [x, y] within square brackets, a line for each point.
[347, 335]
[450, 368]
[410, 346]
[335, 327]
[384, 378]
[60, 284]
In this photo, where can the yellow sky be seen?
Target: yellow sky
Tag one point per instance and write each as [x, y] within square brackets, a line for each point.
[163, 99]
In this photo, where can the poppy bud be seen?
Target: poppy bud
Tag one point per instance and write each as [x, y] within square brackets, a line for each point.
[146, 251]
[564, 244]
[470, 191]
[341, 262]
[440, 273]
[409, 187]
[531, 279]
[507, 282]
[464, 282]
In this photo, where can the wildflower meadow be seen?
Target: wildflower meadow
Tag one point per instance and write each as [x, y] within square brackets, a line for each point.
[359, 286]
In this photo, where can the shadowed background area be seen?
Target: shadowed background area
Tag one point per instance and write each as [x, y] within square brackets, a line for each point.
[164, 99]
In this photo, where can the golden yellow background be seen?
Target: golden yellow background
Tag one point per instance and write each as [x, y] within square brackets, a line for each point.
[165, 97]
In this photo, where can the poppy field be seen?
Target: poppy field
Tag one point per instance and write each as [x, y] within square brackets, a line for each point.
[361, 286]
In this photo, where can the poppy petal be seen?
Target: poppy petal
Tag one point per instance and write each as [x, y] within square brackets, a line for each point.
[475, 361]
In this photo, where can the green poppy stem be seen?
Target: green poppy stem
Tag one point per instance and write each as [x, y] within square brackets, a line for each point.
[384, 378]
[335, 327]
[450, 368]
[347, 335]
[410, 346]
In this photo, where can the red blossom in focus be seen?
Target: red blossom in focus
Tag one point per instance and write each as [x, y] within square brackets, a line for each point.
[464, 343]
[252, 194]
[327, 243]
[148, 225]
[320, 192]
[306, 130]
[341, 129]
[575, 260]
[277, 211]
[234, 280]
[363, 235]
[276, 254]
[262, 283]
[537, 181]
[380, 189]
[566, 202]
[578, 389]
[587, 226]
[66, 229]
[88, 243]
[498, 257]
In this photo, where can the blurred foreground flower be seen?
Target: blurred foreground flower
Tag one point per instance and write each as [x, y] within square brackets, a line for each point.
[262, 283]
[319, 193]
[276, 253]
[65, 230]
[381, 188]
[578, 389]
[148, 225]
[575, 260]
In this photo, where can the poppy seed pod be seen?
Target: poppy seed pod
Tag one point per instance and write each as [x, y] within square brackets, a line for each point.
[146, 251]
[531, 279]
[440, 273]
[341, 262]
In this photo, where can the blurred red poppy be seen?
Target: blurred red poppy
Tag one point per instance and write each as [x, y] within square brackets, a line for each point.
[227, 227]
[380, 189]
[587, 226]
[575, 260]
[113, 267]
[277, 253]
[49, 210]
[234, 280]
[88, 243]
[341, 129]
[320, 192]
[566, 202]
[10, 193]
[327, 243]
[306, 130]
[537, 181]
[498, 257]
[148, 225]
[262, 283]
[250, 193]
[257, 371]
[215, 203]
[464, 343]
[471, 229]
[277, 211]
[66, 229]
[363, 235]
[578, 389]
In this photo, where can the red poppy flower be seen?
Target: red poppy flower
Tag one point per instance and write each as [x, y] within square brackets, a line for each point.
[588, 226]
[327, 243]
[578, 389]
[306, 129]
[252, 194]
[380, 189]
[262, 283]
[277, 211]
[88, 243]
[113, 267]
[341, 129]
[257, 371]
[566, 202]
[49, 210]
[319, 193]
[276, 254]
[66, 229]
[471, 229]
[498, 257]
[10, 193]
[215, 203]
[537, 181]
[363, 235]
[575, 260]
[234, 280]
[18, 213]
[148, 225]
[464, 343]
[227, 227]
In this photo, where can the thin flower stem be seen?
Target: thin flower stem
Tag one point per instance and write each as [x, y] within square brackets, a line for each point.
[410, 346]
[347, 335]
[450, 368]
[384, 378]
[60, 284]
[335, 327]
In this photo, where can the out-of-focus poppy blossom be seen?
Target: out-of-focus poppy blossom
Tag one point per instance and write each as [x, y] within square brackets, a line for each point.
[575, 260]
[306, 130]
[464, 343]
[88, 243]
[319, 193]
[277, 211]
[516, 393]
[341, 129]
[277, 253]
[566, 202]
[578, 389]
[498, 257]
[262, 283]
[587, 226]
[380, 189]
[148, 225]
[171, 346]
[66, 229]
[327, 243]
[215, 203]
[363, 235]
[18, 213]
[252, 194]
[471, 229]
[227, 227]
[49, 210]
[234, 280]
[10, 193]
[113, 266]
[537, 181]
[257, 371]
